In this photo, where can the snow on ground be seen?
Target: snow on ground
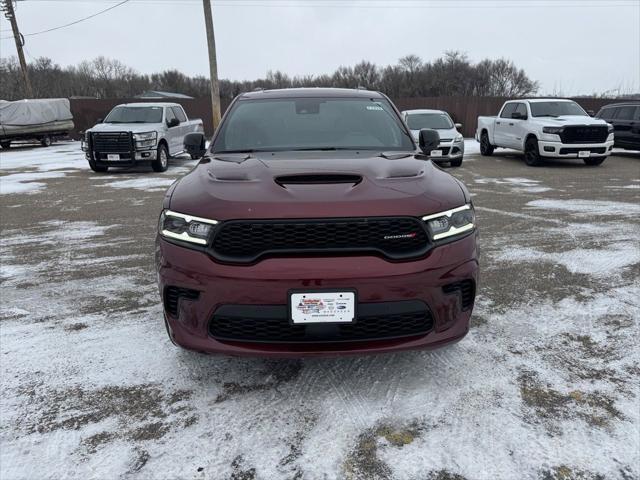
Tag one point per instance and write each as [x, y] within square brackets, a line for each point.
[26, 169]
[543, 387]
[588, 207]
[516, 184]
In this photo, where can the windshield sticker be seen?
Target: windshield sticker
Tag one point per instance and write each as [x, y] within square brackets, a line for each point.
[374, 107]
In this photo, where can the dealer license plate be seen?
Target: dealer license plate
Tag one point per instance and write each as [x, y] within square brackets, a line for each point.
[322, 307]
[113, 156]
[584, 154]
[436, 153]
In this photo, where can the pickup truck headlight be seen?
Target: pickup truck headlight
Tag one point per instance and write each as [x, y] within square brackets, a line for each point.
[187, 228]
[553, 130]
[459, 138]
[84, 142]
[145, 139]
[610, 128]
[451, 222]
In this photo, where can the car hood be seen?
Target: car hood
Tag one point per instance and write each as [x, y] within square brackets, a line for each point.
[314, 185]
[447, 133]
[125, 127]
[568, 120]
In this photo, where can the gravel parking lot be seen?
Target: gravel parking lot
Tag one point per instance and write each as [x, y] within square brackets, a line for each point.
[545, 386]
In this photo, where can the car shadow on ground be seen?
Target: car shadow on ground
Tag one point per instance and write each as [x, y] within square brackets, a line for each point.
[518, 158]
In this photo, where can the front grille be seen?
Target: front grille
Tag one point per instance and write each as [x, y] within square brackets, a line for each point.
[444, 150]
[172, 296]
[112, 142]
[245, 241]
[585, 134]
[565, 151]
[270, 323]
[466, 290]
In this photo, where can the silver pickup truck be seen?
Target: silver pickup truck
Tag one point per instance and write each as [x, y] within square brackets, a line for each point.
[136, 133]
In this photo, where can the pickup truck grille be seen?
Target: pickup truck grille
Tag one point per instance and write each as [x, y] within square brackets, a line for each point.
[246, 241]
[585, 134]
[112, 142]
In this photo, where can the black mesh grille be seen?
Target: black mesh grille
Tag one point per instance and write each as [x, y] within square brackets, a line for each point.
[246, 241]
[112, 142]
[173, 294]
[585, 134]
[564, 151]
[445, 150]
[466, 290]
[270, 324]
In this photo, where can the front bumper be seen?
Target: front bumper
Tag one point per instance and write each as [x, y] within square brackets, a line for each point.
[127, 159]
[450, 151]
[267, 284]
[570, 150]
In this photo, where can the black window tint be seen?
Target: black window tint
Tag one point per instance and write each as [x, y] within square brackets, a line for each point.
[637, 115]
[521, 108]
[179, 113]
[604, 113]
[625, 113]
[170, 115]
[508, 109]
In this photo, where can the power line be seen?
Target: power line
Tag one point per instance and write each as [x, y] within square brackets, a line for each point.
[72, 23]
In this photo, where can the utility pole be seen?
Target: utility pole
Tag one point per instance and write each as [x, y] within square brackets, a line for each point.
[213, 64]
[10, 13]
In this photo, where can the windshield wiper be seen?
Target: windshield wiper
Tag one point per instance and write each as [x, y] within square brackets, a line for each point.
[321, 149]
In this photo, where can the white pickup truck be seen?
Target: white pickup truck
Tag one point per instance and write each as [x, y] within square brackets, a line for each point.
[546, 128]
[135, 133]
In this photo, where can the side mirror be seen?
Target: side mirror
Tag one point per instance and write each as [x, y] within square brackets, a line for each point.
[195, 145]
[428, 140]
[174, 122]
[458, 125]
[518, 116]
[100, 120]
[591, 113]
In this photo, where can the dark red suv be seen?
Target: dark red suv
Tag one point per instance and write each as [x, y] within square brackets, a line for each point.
[313, 225]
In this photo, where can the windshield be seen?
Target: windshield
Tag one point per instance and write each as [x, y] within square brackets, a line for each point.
[134, 115]
[437, 121]
[312, 124]
[555, 109]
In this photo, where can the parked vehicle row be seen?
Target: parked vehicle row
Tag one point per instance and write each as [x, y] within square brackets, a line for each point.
[546, 128]
[138, 133]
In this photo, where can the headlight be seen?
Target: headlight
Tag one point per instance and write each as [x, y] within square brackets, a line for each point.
[553, 130]
[84, 142]
[452, 222]
[458, 138]
[185, 227]
[146, 139]
[610, 128]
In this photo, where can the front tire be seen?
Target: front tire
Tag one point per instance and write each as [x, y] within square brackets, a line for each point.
[97, 168]
[486, 149]
[531, 153]
[594, 162]
[161, 163]
[456, 163]
[45, 141]
[5, 145]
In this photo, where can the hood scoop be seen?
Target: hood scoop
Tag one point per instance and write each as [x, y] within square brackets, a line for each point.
[318, 179]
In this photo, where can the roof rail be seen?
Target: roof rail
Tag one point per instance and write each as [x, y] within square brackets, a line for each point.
[258, 89]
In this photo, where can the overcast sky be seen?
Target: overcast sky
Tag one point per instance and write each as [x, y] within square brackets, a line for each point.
[570, 47]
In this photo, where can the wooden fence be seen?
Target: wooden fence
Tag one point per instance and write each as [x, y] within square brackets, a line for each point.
[464, 110]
